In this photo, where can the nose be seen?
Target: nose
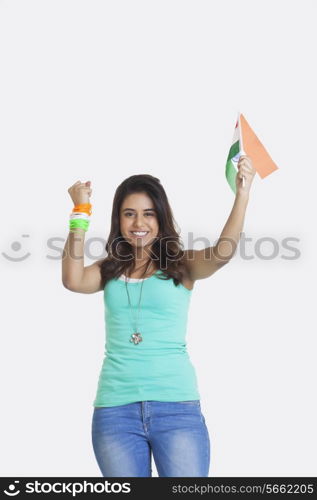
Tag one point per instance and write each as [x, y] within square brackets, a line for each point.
[139, 221]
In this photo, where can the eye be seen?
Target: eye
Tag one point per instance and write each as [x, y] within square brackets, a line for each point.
[147, 213]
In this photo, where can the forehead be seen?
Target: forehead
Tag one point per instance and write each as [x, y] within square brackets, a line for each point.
[137, 201]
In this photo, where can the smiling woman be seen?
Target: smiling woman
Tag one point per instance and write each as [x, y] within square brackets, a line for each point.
[139, 225]
[143, 234]
[146, 381]
[147, 399]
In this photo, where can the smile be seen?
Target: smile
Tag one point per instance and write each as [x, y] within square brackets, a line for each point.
[139, 233]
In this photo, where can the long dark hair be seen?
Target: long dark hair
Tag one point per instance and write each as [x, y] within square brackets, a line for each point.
[166, 251]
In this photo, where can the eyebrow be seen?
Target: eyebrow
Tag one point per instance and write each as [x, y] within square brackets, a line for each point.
[145, 210]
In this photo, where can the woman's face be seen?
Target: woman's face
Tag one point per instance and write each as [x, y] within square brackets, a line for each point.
[138, 214]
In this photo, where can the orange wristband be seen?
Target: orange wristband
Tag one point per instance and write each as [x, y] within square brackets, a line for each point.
[83, 207]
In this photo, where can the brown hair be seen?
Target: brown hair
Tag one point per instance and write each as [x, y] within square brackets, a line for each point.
[167, 249]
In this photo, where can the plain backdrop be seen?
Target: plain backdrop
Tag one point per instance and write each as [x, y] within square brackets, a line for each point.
[100, 90]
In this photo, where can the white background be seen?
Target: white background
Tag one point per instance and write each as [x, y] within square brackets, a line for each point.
[101, 90]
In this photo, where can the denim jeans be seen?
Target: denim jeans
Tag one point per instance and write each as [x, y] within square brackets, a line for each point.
[124, 438]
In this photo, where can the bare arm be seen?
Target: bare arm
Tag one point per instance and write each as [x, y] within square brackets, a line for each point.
[203, 263]
[227, 244]
[73, 258]
[75, 276]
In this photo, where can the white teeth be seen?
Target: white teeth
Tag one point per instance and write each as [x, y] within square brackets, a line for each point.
[139, 233]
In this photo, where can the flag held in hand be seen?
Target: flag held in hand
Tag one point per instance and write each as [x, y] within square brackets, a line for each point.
[245, 142]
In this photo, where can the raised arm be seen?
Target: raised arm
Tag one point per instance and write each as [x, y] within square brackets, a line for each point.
[75, 276]
[203, 263]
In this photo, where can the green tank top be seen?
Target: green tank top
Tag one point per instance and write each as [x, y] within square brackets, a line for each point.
[158, 368]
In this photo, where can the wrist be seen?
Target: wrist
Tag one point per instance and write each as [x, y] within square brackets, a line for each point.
[242, 195]
[82, 204]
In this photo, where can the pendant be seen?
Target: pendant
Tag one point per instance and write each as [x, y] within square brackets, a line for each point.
[136, 338]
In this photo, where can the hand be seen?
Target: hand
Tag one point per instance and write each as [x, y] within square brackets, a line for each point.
[80, 192]
[246, 170]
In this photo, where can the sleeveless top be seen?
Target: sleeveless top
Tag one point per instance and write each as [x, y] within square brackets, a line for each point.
[158, 368]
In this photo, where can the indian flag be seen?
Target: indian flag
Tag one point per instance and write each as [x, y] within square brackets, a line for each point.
[245, 142]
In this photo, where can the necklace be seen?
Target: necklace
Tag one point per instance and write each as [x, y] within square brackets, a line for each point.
[136, 337]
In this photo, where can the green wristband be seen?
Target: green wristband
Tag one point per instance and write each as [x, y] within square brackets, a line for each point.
[83, 224]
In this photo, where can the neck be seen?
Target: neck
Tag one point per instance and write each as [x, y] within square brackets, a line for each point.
[141, 256]
[143, 263]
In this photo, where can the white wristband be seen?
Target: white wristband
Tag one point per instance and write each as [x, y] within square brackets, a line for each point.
[79, 215]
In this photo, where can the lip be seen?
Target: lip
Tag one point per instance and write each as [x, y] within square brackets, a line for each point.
[139, 236]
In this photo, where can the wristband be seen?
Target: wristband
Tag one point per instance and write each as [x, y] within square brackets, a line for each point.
[83, 207]
[79, 223]
[79, 215]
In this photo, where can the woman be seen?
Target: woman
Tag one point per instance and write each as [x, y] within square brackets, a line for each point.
[147, 399]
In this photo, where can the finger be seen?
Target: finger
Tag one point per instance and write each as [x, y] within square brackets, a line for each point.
[247, 170]
[244, 161]
[244, 168]
[76, 184]
[79, 185]
[245, 174]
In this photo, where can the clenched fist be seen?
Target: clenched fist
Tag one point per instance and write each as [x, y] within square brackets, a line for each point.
[246, 170]
[80, 192]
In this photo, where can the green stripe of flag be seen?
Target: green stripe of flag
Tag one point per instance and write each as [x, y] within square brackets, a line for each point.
[231, 171]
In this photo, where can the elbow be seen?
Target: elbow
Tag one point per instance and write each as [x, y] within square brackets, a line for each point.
[66, 284]
[72, 287]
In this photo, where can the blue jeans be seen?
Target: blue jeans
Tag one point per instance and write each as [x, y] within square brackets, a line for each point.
[124, 438]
